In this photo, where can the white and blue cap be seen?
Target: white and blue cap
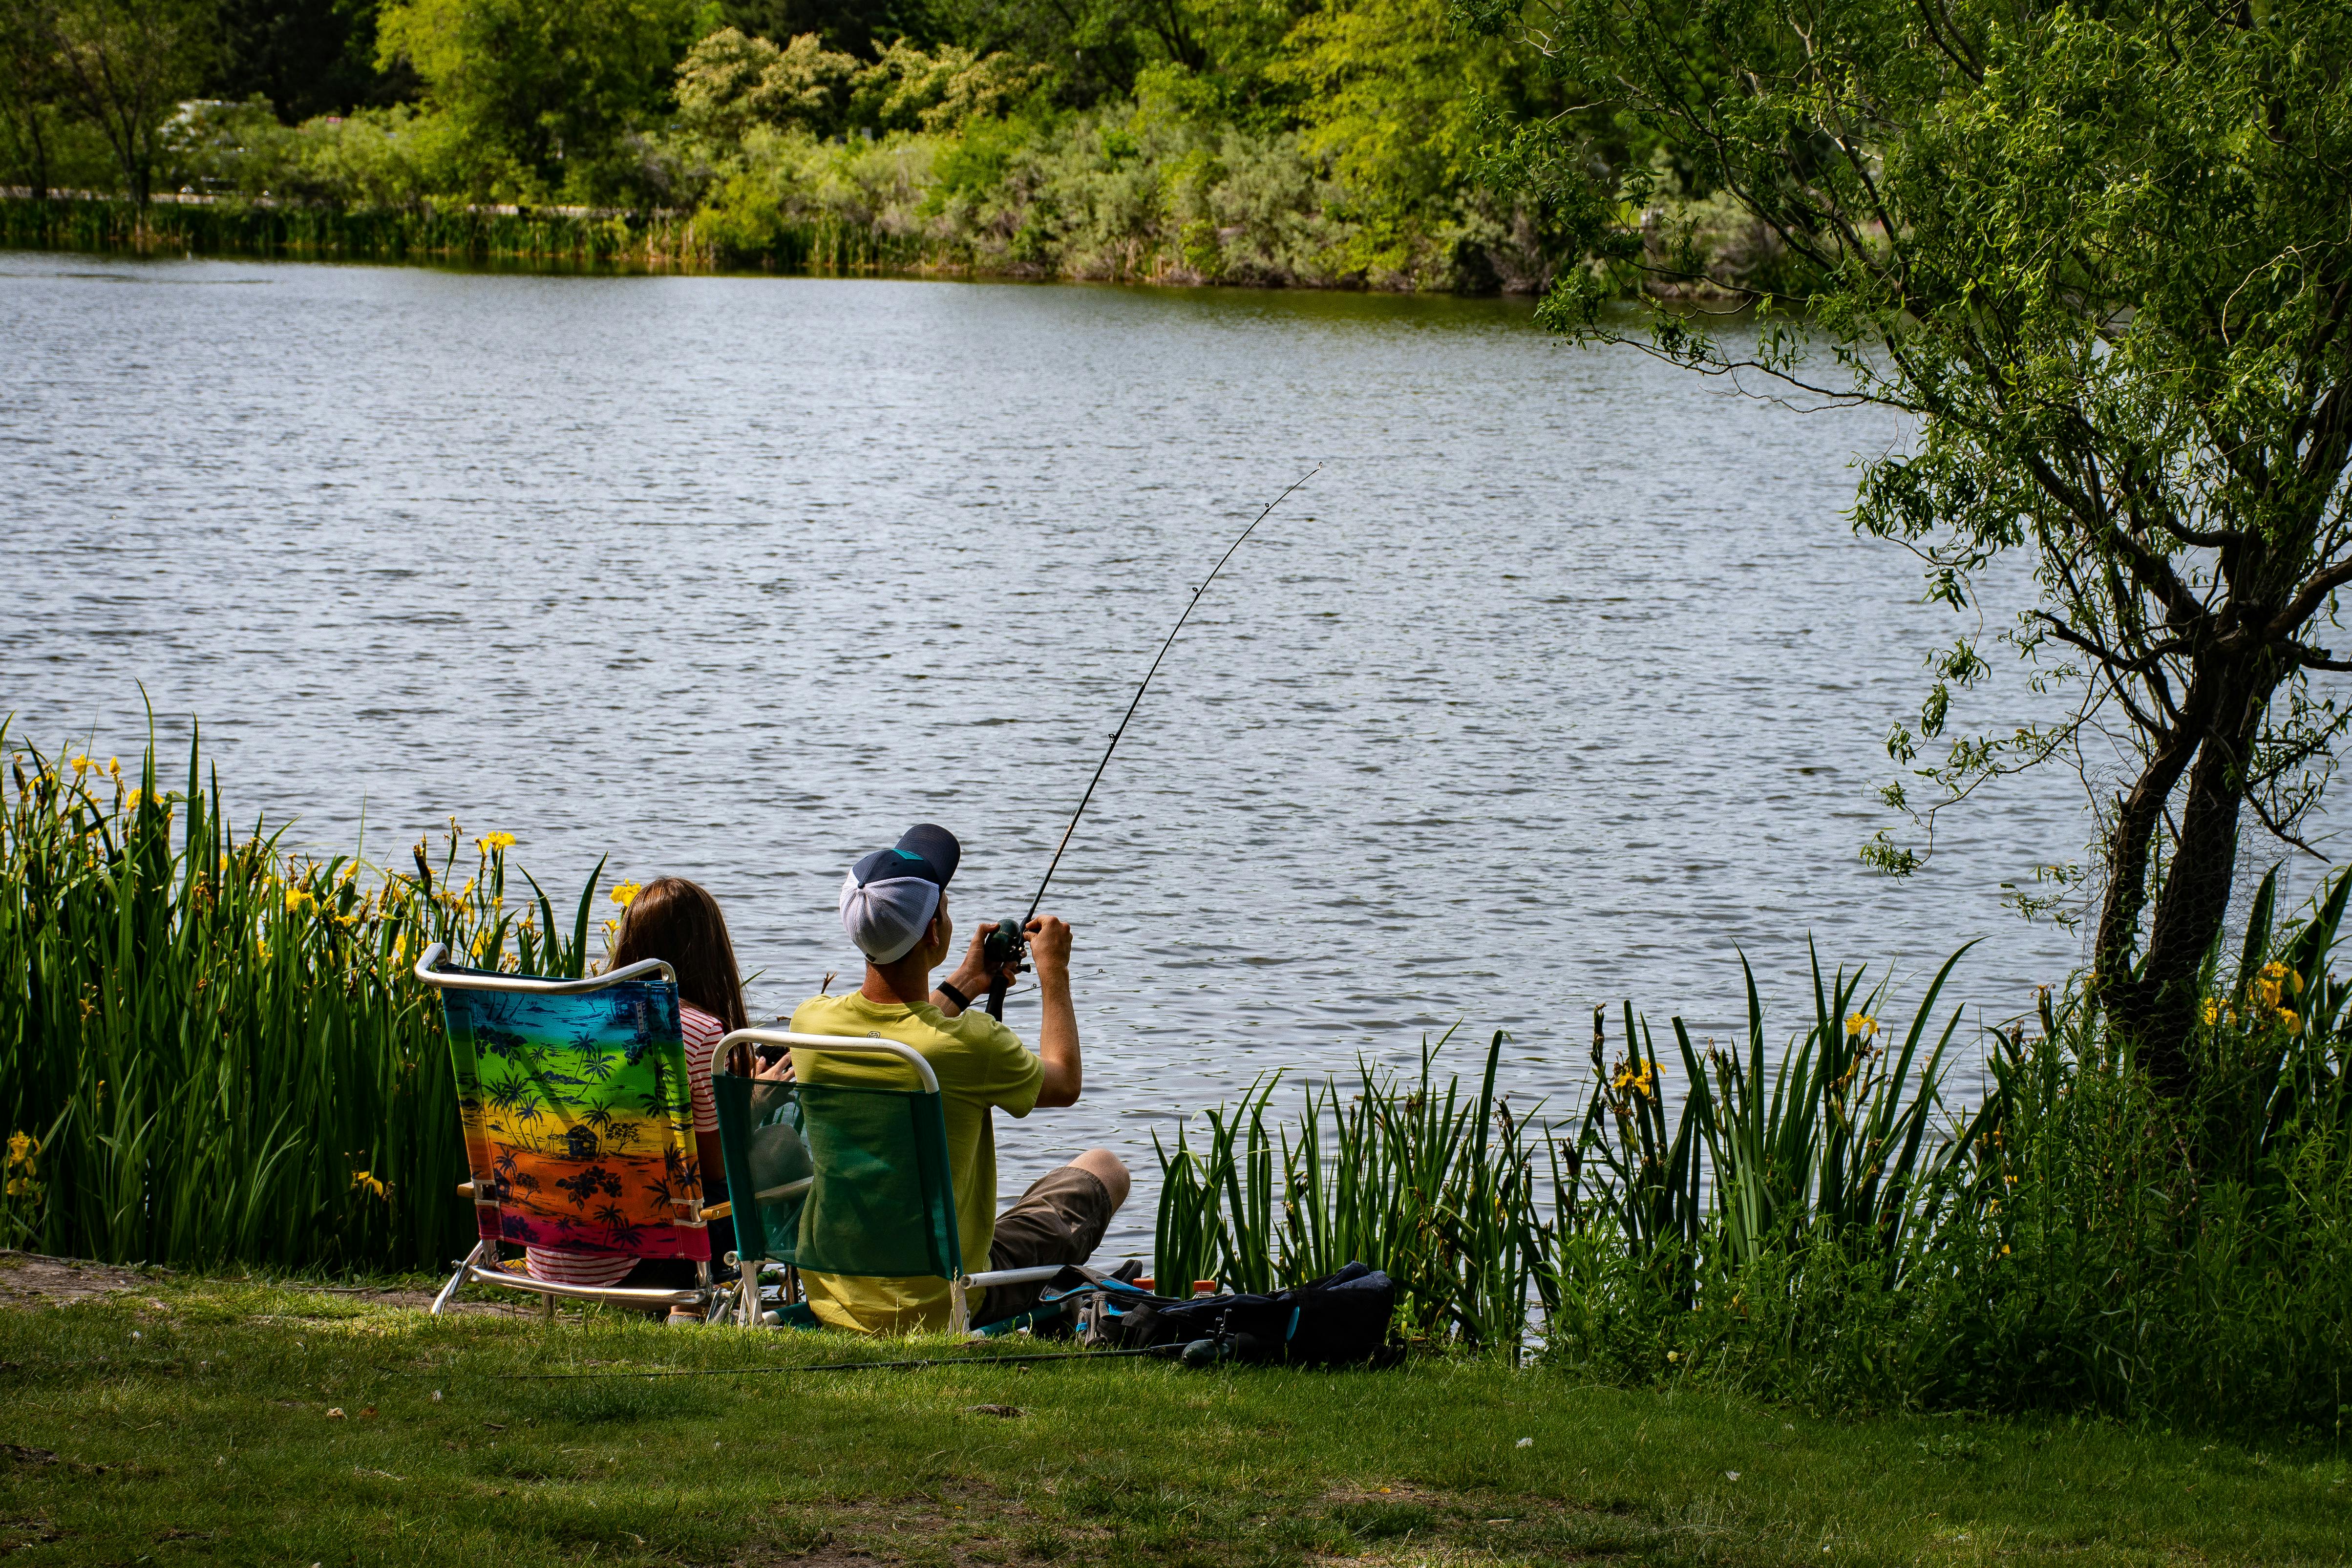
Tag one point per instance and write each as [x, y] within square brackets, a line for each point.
[888, 897]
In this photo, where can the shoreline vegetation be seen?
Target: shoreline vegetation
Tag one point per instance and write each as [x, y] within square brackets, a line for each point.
[212, 1054]
[542, 237]
[1343, 145]
[815, 241]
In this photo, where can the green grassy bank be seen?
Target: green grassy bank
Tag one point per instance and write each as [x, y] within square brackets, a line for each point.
[192, 1420]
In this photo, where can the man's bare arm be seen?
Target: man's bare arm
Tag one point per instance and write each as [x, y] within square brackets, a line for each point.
[1057, 1031]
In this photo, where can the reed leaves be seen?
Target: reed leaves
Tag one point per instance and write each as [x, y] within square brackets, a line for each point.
[1433, 1184]
[208, 1046]
[1817, 1223]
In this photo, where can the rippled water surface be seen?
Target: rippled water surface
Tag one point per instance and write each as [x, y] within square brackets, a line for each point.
[1561, 680]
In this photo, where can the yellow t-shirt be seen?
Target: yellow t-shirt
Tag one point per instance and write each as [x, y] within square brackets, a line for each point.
[979, 1064]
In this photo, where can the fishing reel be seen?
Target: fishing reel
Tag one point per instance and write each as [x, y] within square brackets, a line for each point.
[1006, 942]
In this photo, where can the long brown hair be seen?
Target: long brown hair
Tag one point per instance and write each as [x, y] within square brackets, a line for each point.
[677, 921]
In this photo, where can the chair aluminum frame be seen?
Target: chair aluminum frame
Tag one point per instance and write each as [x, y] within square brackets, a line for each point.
[481, 1264]
[747, 1303]
[429, 972]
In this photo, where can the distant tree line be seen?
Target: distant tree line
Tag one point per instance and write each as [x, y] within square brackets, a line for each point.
[1301, 140]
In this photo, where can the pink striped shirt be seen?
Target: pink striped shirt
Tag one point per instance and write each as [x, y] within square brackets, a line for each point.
[558, 1267]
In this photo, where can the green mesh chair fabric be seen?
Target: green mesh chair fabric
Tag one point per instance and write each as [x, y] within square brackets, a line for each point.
[878, 1203]
[765, 1160]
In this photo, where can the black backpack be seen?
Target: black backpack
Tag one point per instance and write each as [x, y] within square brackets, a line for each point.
[1341, 1320]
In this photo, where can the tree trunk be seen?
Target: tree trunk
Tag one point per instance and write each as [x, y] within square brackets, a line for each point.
[138, 168]
[2155, 1003]
[2131, 854]
[40, 169]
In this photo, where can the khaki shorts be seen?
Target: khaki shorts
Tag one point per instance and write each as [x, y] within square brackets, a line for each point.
[1060, 1219]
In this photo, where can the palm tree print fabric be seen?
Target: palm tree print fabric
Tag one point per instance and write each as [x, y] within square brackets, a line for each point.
[578, 1126]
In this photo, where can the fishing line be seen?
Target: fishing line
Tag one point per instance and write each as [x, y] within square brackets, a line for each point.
[1165, 1353]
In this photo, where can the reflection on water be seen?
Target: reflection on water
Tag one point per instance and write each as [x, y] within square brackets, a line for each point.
[1562, 681]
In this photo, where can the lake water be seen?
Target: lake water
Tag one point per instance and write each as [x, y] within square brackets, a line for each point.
[1562, 680]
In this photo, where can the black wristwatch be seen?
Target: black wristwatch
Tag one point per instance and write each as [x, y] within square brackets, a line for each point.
[947, 990]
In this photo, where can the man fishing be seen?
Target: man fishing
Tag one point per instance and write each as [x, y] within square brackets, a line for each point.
[894, 903]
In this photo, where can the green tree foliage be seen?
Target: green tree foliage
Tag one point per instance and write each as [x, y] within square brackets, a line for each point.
[307, 57]
[729, 84]
[1397, 94]
[32, 85]
[121, 66]
[1100, 48]
[540, 92]
[372, 158]
[1245, 141]
[855, 26]
[2103, 258]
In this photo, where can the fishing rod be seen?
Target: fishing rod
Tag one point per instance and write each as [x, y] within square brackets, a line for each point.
[1008, 937]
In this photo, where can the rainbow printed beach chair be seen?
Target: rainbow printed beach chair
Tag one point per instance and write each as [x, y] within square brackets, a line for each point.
[862, 1190]
[578, 1132]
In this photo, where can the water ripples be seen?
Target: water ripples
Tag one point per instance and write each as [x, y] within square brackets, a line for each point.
[1563, 681]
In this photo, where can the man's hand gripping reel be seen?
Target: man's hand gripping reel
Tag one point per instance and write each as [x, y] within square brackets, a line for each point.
[1007, 945]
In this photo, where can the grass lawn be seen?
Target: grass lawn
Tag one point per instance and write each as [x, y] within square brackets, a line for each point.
[187, 1420]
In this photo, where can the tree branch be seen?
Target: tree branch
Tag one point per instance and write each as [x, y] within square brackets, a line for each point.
[2306, 602]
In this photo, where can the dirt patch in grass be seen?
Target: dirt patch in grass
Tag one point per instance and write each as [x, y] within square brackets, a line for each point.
[419, 1300]
[34, 1279]
[37, 1279]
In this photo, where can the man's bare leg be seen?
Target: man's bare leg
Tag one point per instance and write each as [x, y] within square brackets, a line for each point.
[1108, 1169]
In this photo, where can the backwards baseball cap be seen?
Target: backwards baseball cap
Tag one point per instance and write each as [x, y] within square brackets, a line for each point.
[889, 897]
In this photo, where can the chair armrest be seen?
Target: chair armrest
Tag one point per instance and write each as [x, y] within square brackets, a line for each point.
[428, 968]
[834, 1043]
[765, 1196]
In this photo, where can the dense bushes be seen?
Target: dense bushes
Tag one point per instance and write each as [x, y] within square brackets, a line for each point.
[1133, 193]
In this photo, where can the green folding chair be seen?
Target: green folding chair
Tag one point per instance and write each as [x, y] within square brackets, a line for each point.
[863, 1190]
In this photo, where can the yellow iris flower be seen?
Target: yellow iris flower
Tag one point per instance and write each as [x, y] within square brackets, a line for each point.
[1640, 1082]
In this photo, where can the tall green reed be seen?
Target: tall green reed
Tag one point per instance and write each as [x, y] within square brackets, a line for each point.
[2075, 1241]
[1834, 1137]
[210, 1049]
[1431, 1184]
[1740, 1201]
